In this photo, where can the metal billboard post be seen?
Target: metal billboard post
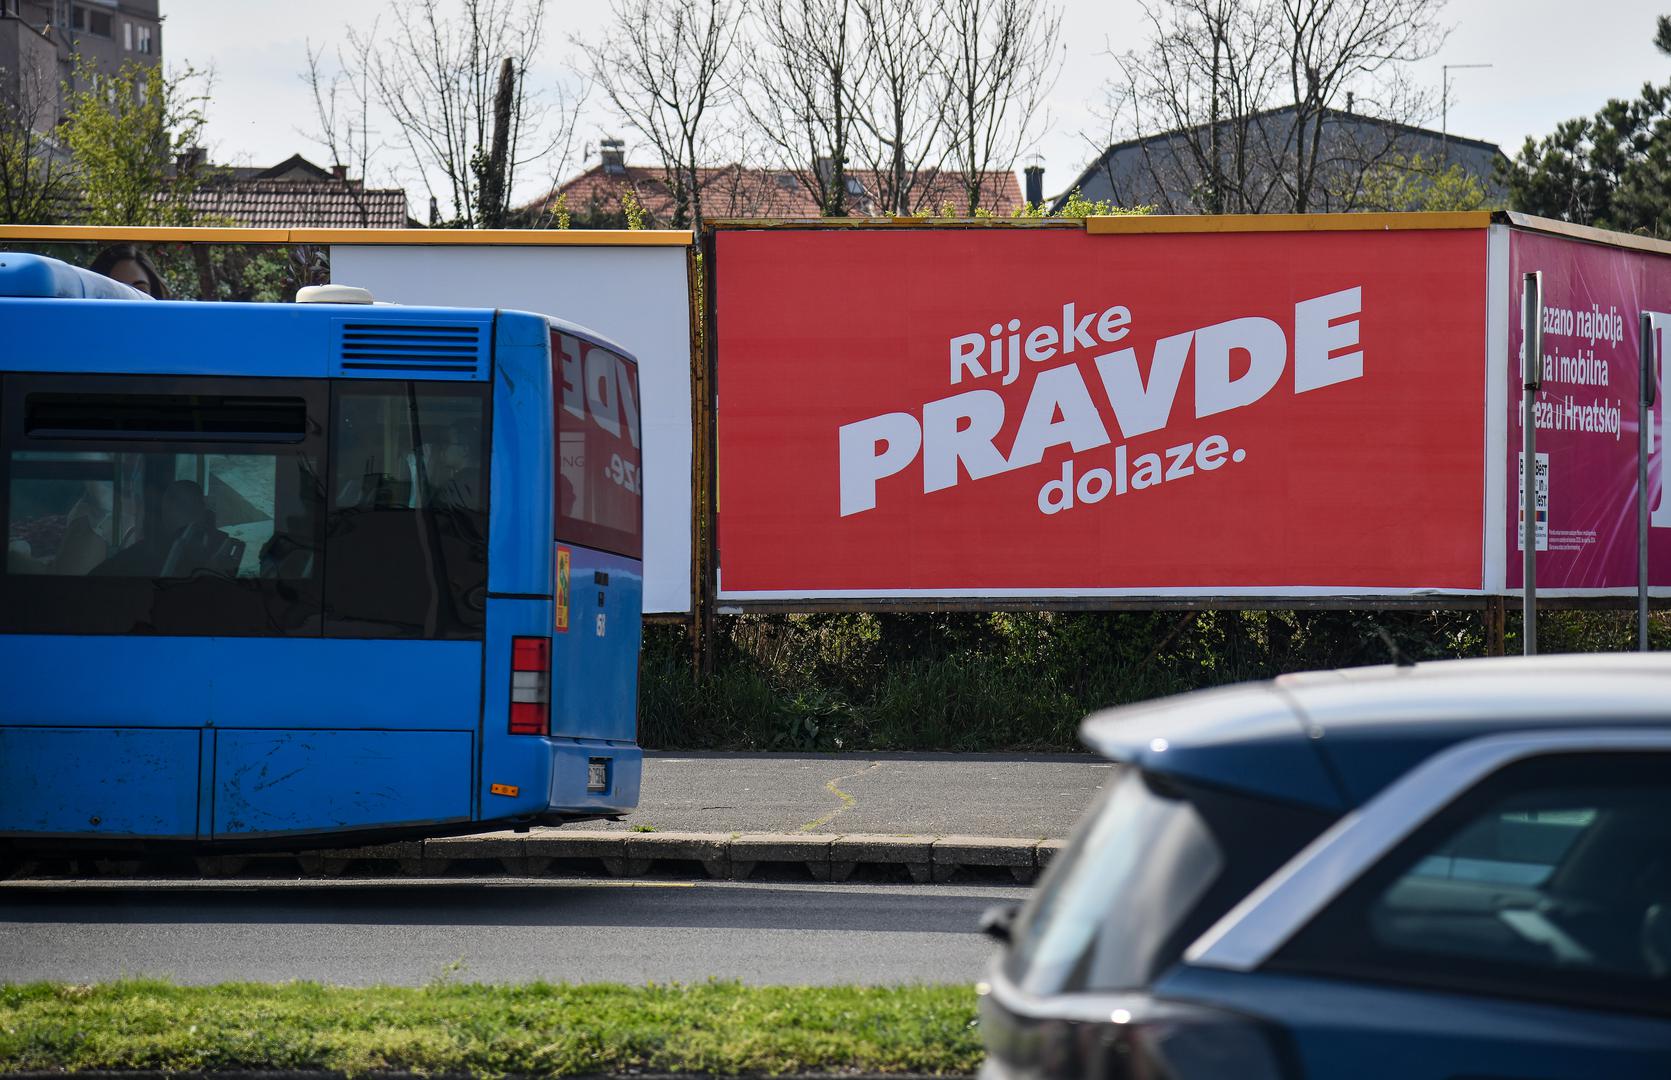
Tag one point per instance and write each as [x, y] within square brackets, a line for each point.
[1531, 377]
[1649, 393]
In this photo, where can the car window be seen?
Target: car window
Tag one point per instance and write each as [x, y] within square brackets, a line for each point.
[1552, 879]
[1139, 861]
[1511, 847]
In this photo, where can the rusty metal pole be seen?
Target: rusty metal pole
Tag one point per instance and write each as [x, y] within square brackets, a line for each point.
[1531, 374]
[1644, 448]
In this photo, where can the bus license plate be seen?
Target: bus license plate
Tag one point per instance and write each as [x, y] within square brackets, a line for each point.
[597, 774]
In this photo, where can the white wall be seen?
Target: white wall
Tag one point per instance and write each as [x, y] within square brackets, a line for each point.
[636, 295]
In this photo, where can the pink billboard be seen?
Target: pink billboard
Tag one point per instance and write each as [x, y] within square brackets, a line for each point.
[1587, 415]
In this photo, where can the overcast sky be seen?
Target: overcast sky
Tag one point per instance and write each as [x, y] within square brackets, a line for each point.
[1551, 59]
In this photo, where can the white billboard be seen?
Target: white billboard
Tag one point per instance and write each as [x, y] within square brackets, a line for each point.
[637, 294]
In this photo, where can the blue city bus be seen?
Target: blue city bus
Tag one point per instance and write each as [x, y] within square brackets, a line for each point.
[314, 572]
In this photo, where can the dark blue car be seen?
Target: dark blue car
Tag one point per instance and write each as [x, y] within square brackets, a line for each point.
[1457, 871]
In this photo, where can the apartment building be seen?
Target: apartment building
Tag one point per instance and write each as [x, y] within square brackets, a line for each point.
[40, 41]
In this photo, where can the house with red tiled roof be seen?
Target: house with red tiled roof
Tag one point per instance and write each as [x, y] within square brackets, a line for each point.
[297, 194]
[734, 191]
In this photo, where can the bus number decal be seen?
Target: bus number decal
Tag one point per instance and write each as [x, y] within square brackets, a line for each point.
[562, 590]
[624, 473]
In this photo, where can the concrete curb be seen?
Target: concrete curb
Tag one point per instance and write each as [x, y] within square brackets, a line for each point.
[734, 856]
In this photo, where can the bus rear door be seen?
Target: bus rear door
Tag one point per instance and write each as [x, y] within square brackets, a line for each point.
[599, 551]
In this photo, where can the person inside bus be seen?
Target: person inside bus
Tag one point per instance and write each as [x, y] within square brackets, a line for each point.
[362, 480]
[132, 267]
[185, 540]
[452, 466]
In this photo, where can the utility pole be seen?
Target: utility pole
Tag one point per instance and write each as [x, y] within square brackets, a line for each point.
[1445, 104]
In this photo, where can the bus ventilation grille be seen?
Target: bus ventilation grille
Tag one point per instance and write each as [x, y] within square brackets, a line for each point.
[419, 350]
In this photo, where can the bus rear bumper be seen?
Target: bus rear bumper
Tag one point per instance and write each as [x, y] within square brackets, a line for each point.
[594, 778]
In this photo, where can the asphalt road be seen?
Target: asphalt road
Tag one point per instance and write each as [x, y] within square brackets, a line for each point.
[1036, 796]
[501, 930]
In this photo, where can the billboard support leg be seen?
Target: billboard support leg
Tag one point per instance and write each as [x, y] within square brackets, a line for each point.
[1496, 620]
[1644, 446]
[1531, 374]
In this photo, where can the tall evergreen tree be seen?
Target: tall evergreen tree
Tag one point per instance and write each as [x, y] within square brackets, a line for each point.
[1611, 170]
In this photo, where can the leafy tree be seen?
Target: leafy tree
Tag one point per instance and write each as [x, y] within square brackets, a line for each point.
[1411, 182]
[133, 140]
[1612, 170]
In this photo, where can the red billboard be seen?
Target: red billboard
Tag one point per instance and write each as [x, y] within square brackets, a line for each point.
[1038, 412]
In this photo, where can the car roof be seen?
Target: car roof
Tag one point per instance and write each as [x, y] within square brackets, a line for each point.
[1333, 739]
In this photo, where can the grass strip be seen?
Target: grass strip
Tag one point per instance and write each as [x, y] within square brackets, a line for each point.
[538, 1029]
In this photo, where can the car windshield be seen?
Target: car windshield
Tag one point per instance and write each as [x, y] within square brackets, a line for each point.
[1138, 864]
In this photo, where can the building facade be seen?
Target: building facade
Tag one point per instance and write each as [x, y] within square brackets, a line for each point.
[47, 46]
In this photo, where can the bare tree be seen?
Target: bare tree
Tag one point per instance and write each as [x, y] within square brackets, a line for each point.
[804, 98]
[36, 184]
[434, 77]
[342, 105]
[1252, 106]
[1333, 46]
[1210, 71]
[1001, 64]
[900, 103]
[665, 68]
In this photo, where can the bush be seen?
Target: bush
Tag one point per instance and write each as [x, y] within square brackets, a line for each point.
[1021, 681]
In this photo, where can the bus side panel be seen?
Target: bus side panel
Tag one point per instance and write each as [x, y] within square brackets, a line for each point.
[314, 781]
[114, 782]
[241, 682]
[594, 662]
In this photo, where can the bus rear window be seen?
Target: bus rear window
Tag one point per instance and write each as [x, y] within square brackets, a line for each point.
[406, 536]
[599, 485]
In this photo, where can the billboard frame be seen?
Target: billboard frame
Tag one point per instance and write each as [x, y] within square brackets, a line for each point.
[1099, 226]
[419, 237]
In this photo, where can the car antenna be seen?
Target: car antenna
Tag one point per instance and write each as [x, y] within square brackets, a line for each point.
[1398, 655]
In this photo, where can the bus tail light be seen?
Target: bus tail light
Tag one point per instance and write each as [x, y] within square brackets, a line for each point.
[530, 686]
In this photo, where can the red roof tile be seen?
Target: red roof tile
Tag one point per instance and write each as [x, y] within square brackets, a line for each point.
[307, 197]
[733, 191]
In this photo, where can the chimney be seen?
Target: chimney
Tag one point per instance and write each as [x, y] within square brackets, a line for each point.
[614, 154]
[339, 172]
[189, 159]
[1035, 184]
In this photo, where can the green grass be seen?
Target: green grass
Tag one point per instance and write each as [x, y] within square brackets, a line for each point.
[716, 1028]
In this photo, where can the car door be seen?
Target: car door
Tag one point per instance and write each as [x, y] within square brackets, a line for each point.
[1522, 933]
